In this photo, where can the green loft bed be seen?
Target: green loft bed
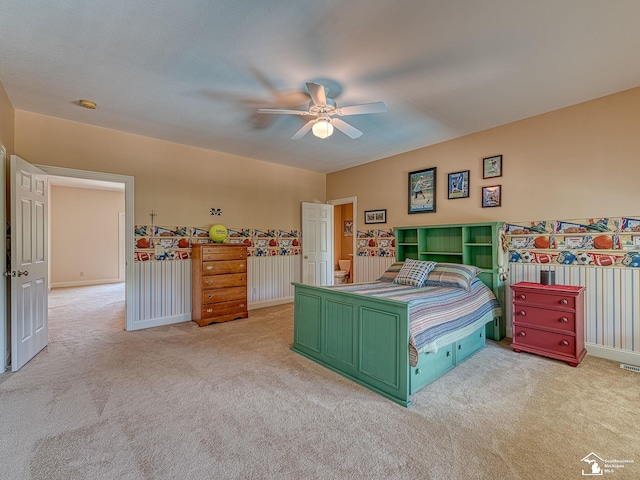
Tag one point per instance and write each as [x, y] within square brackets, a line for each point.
[366, 339]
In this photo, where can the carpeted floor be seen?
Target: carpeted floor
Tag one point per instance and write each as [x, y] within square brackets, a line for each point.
[231, 401]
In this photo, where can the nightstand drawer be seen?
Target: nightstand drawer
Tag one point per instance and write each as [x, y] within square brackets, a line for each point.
[557, 343]
[555, 319]
[554, 300]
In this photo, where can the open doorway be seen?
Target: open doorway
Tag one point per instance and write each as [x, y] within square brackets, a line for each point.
[128, 221]
[345, 229]
[86, 252]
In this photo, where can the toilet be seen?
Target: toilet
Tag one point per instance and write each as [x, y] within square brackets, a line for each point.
[341, 276]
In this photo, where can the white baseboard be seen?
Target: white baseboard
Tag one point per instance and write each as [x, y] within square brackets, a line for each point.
[161, 321]
[615, 354]
[269, 303]
[84, 283]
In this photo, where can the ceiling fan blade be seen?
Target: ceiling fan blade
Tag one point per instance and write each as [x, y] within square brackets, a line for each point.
[317, 93]
[376, 107]
[286, 112]
[304, 130]
[345, 128]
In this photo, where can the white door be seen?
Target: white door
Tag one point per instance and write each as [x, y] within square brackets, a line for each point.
[317, 243]
[29, 262]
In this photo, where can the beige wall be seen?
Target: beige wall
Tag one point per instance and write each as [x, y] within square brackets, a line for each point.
[84, 235]
[6, 121]
[578, 162]
[179, 183]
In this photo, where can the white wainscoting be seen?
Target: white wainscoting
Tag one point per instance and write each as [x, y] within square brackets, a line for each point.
[269, 280]
[369, 269]
[163, 289]
[612, 306]
[162, 293]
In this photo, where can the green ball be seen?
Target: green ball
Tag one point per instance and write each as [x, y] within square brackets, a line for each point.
[218, 233]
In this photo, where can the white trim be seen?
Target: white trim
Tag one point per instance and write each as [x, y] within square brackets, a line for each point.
[615, 354]
[85, 283]
[129, 224]
[162, 321]
[269, 303]
[5, 352]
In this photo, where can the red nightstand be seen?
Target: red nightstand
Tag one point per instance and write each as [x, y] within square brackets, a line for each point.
[548, 320]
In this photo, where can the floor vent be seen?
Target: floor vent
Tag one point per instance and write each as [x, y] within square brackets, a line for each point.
[632, 368]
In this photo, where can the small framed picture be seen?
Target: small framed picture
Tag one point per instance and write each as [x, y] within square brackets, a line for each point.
[492, 196]
[492, 166]
[422, 191]
[348, 228]
[458, 185]
[375, 216]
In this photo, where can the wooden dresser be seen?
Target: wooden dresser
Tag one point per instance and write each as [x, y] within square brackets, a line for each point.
[548, 320]
[218, 283]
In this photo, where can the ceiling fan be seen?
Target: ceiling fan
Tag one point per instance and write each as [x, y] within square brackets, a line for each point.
[325, 110]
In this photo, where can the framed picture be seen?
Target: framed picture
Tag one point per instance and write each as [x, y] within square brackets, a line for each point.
[348, 228]
[375, 216]
[422, 191]
[458, 185]
[492, 166]
[492, 196]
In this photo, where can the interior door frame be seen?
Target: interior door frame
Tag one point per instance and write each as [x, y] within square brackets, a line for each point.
[4, 327]
[354, 202]
[129, 227]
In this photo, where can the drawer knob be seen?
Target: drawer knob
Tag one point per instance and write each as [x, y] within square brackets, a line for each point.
[522, 296]
[209, 267]
[210, 296]
[564, 319]
[564, 343]
[522, 334]
[209, 310]
[563, 301]
[242, 265]
[448, 354]
[522, 313]
[242, 304]
[209, 282]
[459, 347]
[418, 371]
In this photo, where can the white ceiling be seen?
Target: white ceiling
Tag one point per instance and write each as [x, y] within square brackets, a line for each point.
[195, 71]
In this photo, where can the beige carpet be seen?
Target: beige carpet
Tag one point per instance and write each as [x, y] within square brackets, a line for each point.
[231, 401]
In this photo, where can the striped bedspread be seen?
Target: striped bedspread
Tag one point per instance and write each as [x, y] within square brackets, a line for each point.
[438, 316]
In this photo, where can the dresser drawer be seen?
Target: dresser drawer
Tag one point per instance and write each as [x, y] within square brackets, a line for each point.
[224, 308]
[556, 343]
[556, 319]
[550, 300]
[212, 254]
[224, 266]
[223, 281]
[224, 294]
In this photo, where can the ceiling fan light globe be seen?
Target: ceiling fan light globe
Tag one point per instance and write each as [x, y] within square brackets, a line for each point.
[322, 128]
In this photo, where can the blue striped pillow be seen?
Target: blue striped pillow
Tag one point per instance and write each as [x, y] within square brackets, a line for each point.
[452, 275]
[413, 272]
[391, 273]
